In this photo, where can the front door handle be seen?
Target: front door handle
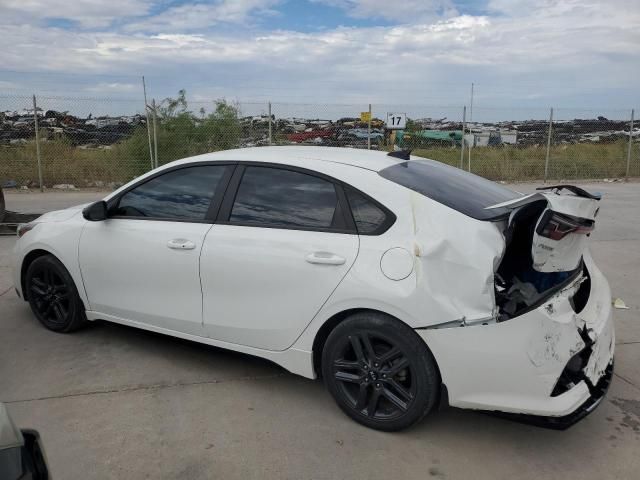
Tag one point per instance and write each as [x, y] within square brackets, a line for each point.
[325, 258]
[181, 244]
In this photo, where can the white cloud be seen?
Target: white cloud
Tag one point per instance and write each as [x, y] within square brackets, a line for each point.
[87, 13]
[197, 16]
[112, 87]
[558, 49]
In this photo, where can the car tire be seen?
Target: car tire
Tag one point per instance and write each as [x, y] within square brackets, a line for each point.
[380, 372]
[53, 296]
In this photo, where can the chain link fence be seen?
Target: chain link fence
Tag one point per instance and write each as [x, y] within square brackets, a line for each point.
[92, 142]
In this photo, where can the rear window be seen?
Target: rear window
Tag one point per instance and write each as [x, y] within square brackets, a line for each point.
[455, 188]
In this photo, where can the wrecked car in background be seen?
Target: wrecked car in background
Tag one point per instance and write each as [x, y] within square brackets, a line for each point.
[404, 282]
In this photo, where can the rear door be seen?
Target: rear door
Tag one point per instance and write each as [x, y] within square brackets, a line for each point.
[282, 243]
[561, 232]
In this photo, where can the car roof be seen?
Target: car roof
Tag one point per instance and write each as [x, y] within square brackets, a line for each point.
[292, 154]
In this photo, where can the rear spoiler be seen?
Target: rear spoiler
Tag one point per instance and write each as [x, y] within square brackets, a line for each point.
[580, 192]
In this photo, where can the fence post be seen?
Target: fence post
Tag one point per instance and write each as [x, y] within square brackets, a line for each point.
[546, 160]
[155, 131]
[35, 119]
[269, 123]
[630, 148]
[369, 130]
[146, 112]
[464, 126]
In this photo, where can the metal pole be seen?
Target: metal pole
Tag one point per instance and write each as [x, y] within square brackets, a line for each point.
[269, 123]
[369, 130]
[155, 131]
[630, 148]
[146, 111]
[471, 109]
[35, 119]
[464, 126]
[546, 160]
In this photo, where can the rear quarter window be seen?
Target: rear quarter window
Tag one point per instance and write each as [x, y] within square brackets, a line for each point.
[463, 191]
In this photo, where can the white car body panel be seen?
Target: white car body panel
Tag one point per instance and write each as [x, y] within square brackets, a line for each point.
[146, 281]
[251, 289]
[258, 286]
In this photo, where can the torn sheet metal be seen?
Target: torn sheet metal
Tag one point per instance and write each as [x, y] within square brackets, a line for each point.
[550, 255]
[443, 261]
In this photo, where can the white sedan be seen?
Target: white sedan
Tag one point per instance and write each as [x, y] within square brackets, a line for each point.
[405, 283]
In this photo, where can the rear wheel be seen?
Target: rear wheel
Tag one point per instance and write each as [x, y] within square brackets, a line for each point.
[53, 296]
[380, 372]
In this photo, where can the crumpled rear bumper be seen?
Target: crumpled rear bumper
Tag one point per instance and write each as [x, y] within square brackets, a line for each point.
[598, 393]
[513, 367]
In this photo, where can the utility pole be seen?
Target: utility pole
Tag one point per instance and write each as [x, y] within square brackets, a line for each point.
[471, 105]
[155, 131]
[464, 126]
[35, 119]
[369, 130]
[630, 147]
[146, 111]
[269, 123]
[546, 160]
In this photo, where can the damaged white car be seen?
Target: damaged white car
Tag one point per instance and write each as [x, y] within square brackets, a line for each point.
[405, 283]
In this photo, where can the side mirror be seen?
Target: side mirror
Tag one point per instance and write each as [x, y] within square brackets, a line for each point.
[95, 212]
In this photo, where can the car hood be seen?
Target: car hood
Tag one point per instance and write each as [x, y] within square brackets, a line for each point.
[61, 215]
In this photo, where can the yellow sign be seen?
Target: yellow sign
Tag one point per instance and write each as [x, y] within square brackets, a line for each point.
[365, 116]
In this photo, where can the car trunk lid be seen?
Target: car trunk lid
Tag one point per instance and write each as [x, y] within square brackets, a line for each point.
[559, 237]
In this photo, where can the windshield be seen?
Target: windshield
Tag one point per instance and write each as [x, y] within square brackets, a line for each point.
[455, 188]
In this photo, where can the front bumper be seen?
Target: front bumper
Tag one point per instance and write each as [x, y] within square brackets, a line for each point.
[513, 367]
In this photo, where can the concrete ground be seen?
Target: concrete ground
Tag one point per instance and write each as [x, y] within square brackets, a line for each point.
[115, 402]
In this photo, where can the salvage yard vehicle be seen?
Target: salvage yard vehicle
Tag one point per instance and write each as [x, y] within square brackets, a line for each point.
[405, 283]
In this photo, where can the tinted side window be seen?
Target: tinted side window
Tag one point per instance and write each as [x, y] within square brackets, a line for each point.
[367, 215]
[183, 194]
[284, 198]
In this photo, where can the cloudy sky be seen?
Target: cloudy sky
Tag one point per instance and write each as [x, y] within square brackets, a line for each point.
[519, 53]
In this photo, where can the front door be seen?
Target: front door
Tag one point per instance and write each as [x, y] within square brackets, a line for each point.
[142, 263]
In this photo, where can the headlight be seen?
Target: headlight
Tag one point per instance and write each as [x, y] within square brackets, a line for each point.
[24, 228]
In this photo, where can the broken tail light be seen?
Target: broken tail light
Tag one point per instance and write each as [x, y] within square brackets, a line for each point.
[556, 226]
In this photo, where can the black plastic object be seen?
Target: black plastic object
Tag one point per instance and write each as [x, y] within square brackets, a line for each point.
[573, 189]
[401, 154]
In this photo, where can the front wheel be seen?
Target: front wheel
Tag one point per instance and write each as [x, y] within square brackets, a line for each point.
[53, 296]
[380, 372]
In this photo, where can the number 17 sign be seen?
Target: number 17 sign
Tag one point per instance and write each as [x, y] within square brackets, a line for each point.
[396, 121]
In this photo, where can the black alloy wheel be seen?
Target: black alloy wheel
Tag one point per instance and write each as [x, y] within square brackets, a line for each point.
[53, 296]
[380, 372]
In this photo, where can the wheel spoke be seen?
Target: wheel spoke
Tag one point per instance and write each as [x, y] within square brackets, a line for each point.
[392, 354]
[361, 402]
[366, 341]
[357, 347]
[47, 311]
[346, 364]
[39, 283]
[37, 290]
[373, 403]
[347, 377]
[58, 312]
[393, 398]
[399, 365]
[403, 392]
[47, 277]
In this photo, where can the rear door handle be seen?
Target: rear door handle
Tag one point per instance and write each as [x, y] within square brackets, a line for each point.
[181, 244]
[325, 258]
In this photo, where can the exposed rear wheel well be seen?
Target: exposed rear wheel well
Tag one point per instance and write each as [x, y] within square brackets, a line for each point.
[28, 259]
